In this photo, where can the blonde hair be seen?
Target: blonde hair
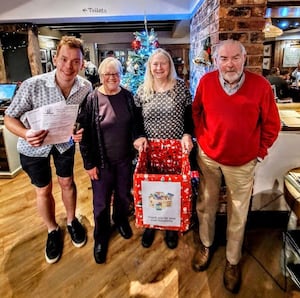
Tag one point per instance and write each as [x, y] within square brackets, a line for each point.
[114, 62]
[149, 80]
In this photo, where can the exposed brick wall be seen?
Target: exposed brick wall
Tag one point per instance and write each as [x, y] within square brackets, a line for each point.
[222, 19]
[204, 24]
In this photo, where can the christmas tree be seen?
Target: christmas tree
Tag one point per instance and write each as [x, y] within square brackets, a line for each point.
[144, 44]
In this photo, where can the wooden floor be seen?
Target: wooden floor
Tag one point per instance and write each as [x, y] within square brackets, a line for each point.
[131, 270]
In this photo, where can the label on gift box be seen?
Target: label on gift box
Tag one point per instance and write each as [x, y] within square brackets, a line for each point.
[161, 203]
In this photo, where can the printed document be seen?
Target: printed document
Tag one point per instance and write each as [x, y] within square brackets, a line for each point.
[58, 118]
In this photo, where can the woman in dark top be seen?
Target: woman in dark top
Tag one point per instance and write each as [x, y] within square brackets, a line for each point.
[109, 119]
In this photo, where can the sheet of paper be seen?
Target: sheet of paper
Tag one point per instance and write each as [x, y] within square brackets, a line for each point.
[57, 118]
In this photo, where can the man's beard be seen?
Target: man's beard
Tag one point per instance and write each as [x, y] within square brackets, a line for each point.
[232, 77]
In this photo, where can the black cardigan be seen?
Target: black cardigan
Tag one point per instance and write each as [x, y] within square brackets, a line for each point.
[91, 145]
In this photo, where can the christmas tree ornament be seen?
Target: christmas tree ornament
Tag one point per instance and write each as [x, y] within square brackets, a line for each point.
[136, 44]
[156, 44]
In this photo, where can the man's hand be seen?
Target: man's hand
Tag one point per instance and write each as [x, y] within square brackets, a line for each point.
[77, 135]
[35, 137]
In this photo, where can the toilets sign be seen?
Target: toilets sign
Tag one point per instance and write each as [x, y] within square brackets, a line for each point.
[94, 10]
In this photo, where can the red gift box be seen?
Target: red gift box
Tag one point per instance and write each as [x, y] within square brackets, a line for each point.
[162, 180]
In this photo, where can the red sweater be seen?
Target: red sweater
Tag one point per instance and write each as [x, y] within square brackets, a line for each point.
[234, 129]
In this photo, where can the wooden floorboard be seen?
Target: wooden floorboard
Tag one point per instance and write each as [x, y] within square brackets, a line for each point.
[131, 270]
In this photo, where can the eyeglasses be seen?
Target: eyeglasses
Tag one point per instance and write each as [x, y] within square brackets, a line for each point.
[114, 75]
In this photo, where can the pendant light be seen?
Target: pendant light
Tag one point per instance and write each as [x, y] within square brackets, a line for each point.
[270, 30]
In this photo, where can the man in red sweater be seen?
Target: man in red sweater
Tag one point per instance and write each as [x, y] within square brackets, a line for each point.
[236, 121]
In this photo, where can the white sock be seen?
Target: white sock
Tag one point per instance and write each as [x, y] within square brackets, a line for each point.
[57, 228]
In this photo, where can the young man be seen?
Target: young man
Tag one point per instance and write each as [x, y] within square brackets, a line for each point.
[236, 121]
[62, 84]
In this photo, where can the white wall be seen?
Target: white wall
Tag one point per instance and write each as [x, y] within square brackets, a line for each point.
[108, 41]
[128, 37]
[51, 11]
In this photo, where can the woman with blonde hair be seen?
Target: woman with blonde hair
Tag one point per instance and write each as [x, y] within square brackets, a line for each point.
[165, 103]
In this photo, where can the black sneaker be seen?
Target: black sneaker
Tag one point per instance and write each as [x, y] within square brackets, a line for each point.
[53, 246]
[77, 233]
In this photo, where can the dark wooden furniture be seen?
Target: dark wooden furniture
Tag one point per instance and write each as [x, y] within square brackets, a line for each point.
[295, 94]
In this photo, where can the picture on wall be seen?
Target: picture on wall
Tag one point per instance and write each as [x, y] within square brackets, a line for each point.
[267, 63]
[43, 54]
[267, 50]
[291, 56]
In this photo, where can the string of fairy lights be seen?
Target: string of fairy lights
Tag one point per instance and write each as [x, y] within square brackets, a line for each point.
[14, 36]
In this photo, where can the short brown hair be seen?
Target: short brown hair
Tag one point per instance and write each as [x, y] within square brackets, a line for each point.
[72, 42]
[274, 70]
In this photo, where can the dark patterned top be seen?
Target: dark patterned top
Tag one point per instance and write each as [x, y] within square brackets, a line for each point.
[164, 112]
